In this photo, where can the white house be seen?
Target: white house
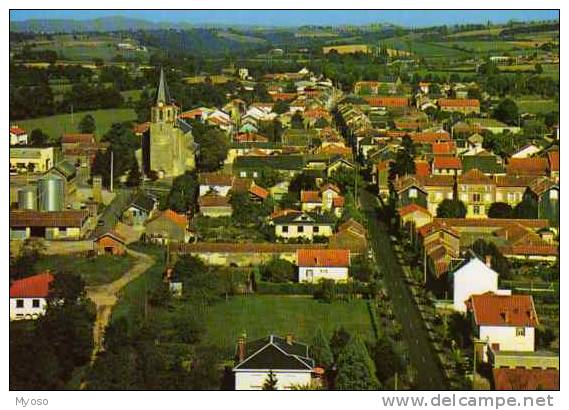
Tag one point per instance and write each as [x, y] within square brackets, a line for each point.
[220, 184]
[18, 136]
[473, 278]
[316, 264]
[286, 358]
[28, 296]
[504, 322]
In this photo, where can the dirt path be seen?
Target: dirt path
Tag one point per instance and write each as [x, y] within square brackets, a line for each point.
[105, 296]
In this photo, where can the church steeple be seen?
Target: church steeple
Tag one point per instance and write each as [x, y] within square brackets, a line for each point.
[163, 95]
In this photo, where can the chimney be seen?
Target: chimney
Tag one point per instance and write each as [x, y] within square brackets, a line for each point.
[289, 339]
[489, 261]
[241, 346]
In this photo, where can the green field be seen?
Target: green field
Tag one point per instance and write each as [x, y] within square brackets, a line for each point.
[424, 49]
[89, 49]
[95, 271]
[262, 315]
[537, 105]
[56, 125]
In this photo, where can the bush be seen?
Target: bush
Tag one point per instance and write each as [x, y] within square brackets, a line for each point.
[270, 288]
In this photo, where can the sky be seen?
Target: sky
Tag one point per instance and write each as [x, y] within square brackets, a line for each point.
[413, 18]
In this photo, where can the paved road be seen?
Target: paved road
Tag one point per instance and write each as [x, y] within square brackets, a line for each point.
[421, 354]
[112, 213]
[105, 296]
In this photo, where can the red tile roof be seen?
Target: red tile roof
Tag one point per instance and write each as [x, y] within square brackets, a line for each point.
[422, 168]
[330, 186]
[525, 379]
[310, 197]
[442, 148]
[338, 202]
[503, 310]
[192, 114]
[141, 128]
[457, 102]
[36, 286]
[353, 226]
[78, 139]
[283, 96]
[323, 257]
[214, 178]
[259, 191]
[175, 217]
[17, 130]
[475, 177]
[447, 163]
[528, 166]
[207, 201]
[494, 222]
[283, 212]
[250, 137]
[408, 209]
[387, 101]
[437, 180]
[52, 219]
[430, 137]
[553, 157]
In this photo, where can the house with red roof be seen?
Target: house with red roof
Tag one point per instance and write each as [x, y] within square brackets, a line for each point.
[215, 205]
[18, 136]
[327, 199]
[166, 227]
[462, 105]
[503, 322]
[317, 264]
[415, 215]
[553, 158]
[28, 296]
[443, 165]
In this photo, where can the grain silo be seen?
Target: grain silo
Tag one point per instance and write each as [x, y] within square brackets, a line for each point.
[28, 198]
[51, 192]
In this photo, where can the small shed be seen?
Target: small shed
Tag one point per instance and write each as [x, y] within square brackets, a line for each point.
[110, 243]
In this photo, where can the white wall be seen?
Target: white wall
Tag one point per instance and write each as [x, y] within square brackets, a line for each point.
[311, 274]
[474, 278]
[27, 312]
[254, 380]
[220, 190]
[506, 337]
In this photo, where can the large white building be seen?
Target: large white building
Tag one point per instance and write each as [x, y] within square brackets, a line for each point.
[504, 322]
[28, 296]
[473, 278]
[287, 359]
[317, 264]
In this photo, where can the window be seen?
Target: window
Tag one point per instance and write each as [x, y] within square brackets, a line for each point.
[553, 194]
[285, 228]
[36, 303]
[255, 174]
[20, 303]
[476, 210]
[161, 116]
[413, 193]
[300, 229]
[316, 229]
[520, 331]
[242, 174]
[475, 197]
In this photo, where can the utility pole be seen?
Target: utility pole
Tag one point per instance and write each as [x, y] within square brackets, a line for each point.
[112, 160]
[424, 263]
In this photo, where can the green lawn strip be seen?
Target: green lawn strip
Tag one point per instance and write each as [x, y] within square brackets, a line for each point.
[95, 271]
[56, 125]
[262, 315]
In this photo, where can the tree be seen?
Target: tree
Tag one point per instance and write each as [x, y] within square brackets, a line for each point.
[500, 210]
[498, 261]
[387, 361]
[339, 340]
[404, 159]
[296, 121]
[302, 181]
[66, 287]
[538, 68]
[270, 382]
[87, 124]
[321, 123]
[451, 208]
[527, 209]
[278, 270]
[182, 195]
[214, 146]
[134, 176]
[281, 107]
[356, 370]
[507, 111]
[38, 138]
[320, 351]
[22, 264]
[326, 290]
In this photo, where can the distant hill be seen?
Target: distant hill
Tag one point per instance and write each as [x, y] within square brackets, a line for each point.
[117, 23]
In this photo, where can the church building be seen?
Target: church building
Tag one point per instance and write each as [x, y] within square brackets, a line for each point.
[169, 148]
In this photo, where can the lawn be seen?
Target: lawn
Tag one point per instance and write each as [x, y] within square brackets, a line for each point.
[95, 271]
[261, 315]
[56, 125]
[537, 106]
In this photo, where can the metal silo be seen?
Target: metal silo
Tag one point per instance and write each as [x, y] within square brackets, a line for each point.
[51, 193]
[28, 198]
